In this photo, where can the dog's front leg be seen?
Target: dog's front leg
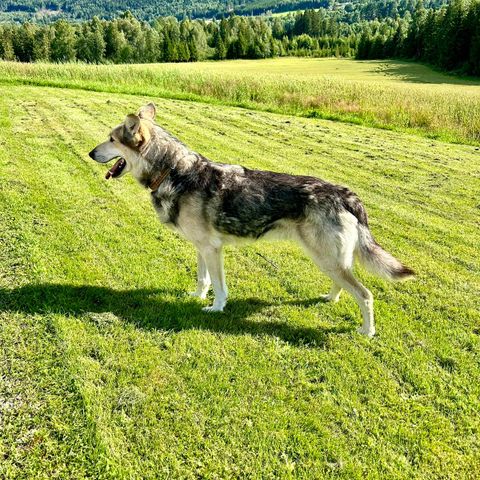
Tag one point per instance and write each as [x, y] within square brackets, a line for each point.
[214, 260]
[203, 278]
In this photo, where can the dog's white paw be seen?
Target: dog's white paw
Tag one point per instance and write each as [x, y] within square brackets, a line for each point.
[328, 298]
[212, 308]
[201, 295]
[370, 332]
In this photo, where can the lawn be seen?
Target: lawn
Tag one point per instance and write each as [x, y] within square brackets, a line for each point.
[109, 370]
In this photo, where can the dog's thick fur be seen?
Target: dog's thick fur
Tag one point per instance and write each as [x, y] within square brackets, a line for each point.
[213, 204]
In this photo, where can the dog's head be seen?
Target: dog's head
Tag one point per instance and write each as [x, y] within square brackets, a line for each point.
[125, 143]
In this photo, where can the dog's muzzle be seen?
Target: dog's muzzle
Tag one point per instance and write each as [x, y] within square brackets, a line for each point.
[99, 157]
[117, 167]
[92, 155]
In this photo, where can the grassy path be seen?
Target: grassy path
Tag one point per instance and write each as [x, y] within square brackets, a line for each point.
[109, 371]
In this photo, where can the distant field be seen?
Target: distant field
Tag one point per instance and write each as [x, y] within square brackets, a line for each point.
[109, 371]
[340, 68]
[393, 95]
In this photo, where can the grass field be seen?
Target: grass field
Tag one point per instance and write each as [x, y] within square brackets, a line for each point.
[392, 95]
[108, 369]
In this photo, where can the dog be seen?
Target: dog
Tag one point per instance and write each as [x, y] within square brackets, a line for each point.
[213, 204]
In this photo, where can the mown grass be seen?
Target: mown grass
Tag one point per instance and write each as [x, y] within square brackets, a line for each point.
[110, 371]
[393, 95]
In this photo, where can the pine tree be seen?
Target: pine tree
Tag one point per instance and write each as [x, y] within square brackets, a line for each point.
[170, 53]
[220, 47]
[183, 54]
[198, 41]
[396, 48]
[377, 48]
[413, 44]
[63, 43]
[152, 45]
[363, 49]
[278, 28]
[299, 27]
[285, 45]
[6, 44]
[23, 42]
[193, 49]
[473, 65]
[42, 45]
[316, 23]
[452, 52]
[96, 41]
[244, 40]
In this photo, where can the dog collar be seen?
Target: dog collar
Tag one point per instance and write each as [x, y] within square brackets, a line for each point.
[158, 180]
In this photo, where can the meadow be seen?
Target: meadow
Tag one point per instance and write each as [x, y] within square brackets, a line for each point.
[393, 95]
[109, 370]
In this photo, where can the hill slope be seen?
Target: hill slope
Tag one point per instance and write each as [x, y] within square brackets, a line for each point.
[108, 370]
[145, 9]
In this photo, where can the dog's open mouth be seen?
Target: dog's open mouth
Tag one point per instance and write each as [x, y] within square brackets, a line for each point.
[116, 169]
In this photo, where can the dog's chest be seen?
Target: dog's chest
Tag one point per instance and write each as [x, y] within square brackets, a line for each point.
[166, 206]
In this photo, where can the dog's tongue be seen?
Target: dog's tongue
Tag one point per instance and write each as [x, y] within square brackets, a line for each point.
[116, 169]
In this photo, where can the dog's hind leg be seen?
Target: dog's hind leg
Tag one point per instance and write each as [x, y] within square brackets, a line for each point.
[333, 254]
[203, 278]
[334, 294]
[362, 295]
[214, 261]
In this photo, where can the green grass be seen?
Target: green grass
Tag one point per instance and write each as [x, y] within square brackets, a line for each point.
[393, 95]
[108, 370]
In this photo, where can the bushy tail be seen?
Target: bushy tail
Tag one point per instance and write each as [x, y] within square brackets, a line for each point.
[377, 260]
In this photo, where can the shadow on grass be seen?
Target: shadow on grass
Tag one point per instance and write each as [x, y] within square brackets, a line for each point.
[415, 72]
[162, 309]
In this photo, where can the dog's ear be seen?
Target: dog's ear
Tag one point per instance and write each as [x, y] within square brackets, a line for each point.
[132, 124]
[148, 112]
[131, 129]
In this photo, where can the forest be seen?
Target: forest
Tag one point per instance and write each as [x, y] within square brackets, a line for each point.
[46, 11]
[127, 40]
[345, 10]
[447, 36]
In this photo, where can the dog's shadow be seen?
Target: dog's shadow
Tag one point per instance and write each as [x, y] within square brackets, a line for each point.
[163, 309]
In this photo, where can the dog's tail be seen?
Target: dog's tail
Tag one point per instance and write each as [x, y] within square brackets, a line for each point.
[370, 253]
[377, 260]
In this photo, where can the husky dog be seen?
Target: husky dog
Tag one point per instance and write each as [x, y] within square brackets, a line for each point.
[213, 204]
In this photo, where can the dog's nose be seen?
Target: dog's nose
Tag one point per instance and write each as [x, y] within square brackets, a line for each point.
[92, 154]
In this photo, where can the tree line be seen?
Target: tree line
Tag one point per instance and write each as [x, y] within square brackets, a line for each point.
[128, 40]
[448, 38]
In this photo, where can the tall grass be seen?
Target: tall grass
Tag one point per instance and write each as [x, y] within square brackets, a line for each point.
[446, 111]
